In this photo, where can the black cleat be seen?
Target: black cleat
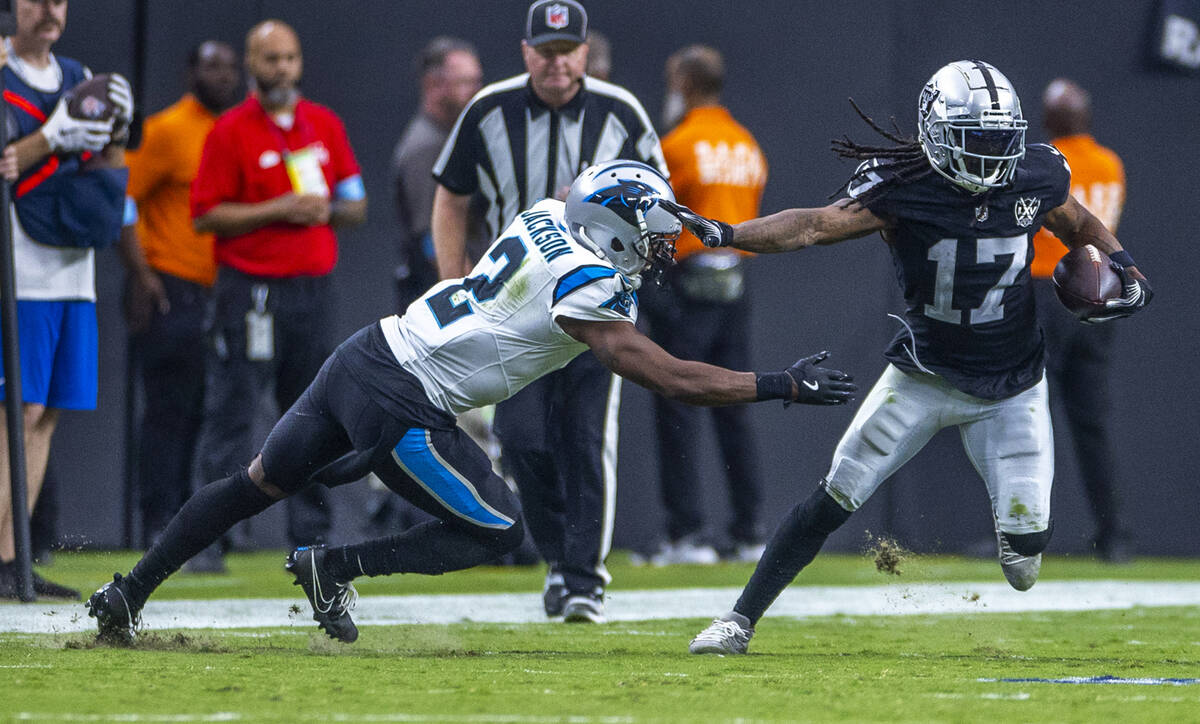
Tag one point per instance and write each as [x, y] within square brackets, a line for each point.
[118, 617]
[331, 600]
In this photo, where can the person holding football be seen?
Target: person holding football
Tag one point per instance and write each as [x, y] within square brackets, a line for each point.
[958, 208]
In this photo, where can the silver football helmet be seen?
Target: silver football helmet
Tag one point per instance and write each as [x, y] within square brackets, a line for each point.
[613, 209]
[970, 125]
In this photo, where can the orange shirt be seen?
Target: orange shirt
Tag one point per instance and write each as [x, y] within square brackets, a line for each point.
[160, 181]
[1097, 182]
[717, 169]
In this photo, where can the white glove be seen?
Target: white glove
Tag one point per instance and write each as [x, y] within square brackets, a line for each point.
[121, 96]
[72, 135]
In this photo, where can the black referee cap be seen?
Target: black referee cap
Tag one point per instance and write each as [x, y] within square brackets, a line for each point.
[555, 20]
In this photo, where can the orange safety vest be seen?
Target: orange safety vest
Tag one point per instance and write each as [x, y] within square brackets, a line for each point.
[1097, 182]
[717, 169]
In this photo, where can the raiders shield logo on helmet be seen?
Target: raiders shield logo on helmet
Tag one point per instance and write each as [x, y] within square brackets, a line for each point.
[1025, 209]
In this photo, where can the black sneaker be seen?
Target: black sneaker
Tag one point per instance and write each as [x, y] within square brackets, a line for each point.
[118, 616]
[584, 607]
[554, 594]
[331, 600]
[50, 589]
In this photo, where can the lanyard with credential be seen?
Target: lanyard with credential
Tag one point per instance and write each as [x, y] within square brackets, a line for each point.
[303, 166]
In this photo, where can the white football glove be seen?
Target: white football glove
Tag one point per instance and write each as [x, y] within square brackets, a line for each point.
[121, 96]
[73, 135]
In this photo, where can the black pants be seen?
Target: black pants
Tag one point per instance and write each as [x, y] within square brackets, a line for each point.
[363, 413]
[1078, 360]
[716, 333]
[301, 314]
[559, 438]
[170, 356]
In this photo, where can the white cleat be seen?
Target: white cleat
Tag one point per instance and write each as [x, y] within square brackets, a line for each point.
[729, 634]
[1021, 571]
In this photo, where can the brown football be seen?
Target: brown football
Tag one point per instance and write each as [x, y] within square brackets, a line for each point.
[89, 100]
[1084, 280]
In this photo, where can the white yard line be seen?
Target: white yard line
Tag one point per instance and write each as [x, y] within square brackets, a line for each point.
[797, 601]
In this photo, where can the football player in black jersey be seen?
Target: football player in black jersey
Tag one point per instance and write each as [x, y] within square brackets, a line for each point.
[958, 208]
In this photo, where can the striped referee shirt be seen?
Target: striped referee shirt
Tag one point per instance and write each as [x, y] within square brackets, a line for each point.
[516, 150]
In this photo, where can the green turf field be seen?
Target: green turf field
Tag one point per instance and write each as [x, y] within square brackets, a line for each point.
[838, 668]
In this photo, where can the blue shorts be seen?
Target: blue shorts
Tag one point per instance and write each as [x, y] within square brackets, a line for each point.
[59, 354]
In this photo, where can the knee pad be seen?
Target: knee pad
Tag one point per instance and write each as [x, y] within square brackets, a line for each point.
[1030, 544]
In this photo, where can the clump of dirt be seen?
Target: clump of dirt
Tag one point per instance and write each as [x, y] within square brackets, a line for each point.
[888, 554]
[149, 641]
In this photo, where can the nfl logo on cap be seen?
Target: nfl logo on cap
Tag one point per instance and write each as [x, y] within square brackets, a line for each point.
[551, 20]
[558, 16]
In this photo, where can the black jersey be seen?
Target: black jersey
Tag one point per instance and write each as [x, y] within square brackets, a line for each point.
[963, 263]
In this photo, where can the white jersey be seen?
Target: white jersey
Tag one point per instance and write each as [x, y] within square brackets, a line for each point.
[476, 341]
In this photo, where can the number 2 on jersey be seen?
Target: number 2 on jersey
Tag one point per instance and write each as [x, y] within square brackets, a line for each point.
[443, 305]
[945, 254]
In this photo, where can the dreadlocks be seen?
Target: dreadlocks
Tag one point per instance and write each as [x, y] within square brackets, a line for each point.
[905, 161]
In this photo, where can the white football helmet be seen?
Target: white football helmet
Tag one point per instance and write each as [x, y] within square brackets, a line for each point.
[970, 125]
[613, 209]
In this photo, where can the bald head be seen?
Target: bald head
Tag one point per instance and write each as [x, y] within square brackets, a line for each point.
[274, 62]
[1067, 108]
[698, 72]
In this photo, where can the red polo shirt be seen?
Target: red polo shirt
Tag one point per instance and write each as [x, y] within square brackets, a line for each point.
[242, 162]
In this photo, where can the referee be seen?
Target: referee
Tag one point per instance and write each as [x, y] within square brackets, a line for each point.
[519, 141]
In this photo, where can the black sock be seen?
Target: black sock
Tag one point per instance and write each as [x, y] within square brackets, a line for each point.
[794, 545]
[431, 548]
[199, 523]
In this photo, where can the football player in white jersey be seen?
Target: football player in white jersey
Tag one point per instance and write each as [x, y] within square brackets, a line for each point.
[560, 279]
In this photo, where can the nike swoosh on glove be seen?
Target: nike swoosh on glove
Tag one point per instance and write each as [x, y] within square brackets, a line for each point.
[820, 385]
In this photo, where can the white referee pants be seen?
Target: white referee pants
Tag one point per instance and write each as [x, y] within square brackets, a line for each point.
[1010, 443]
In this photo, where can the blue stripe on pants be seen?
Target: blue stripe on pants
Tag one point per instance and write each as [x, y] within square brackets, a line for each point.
[416, 455]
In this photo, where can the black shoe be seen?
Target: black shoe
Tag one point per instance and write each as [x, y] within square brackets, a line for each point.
[118, 616]
[49, 589]
[584, 607]
[331, 600]
[554, 594]
[9, 590]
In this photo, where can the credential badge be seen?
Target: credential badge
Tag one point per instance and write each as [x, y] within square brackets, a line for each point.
[1025, 209]
[558, 16]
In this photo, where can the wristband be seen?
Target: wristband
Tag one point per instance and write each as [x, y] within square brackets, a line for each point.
[1122, 257]
[774, 386]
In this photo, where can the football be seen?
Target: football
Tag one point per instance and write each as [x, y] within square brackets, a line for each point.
[1084, 280]
[89, 100]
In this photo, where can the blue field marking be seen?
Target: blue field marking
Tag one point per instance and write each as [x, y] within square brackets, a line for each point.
[1147, 681]
[416, 455]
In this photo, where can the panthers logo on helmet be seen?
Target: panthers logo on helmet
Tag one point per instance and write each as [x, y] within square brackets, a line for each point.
[625, 198]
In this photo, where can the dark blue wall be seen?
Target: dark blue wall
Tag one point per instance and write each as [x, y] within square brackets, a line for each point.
[791, 66]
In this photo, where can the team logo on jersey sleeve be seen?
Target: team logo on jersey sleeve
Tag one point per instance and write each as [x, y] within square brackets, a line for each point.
[621, 303]
[1025, 209]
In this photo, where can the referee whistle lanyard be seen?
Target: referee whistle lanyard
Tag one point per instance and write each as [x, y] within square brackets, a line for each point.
[303, 166]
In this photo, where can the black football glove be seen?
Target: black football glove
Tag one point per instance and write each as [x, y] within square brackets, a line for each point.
[1135, 294]
[710, 232]
[813, 385]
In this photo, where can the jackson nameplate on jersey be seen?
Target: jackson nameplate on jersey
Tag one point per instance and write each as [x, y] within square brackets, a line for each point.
[963, 264]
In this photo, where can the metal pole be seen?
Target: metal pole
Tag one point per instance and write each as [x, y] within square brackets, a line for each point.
[13, 402]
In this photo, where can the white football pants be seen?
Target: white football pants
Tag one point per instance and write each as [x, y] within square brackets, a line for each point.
[1010, 443]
